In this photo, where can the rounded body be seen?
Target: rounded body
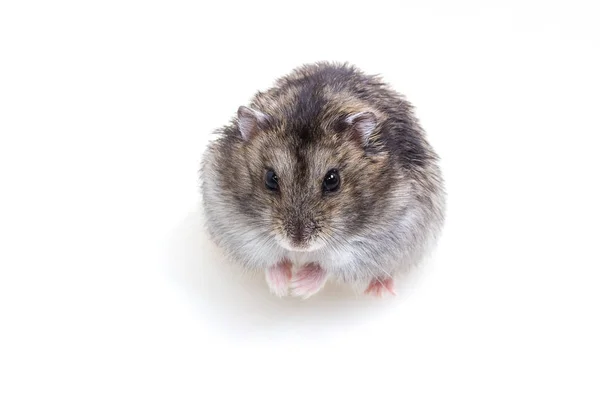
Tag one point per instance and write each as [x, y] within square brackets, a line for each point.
[330, 169]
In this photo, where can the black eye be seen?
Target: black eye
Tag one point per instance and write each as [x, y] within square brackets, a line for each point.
[271, 180]
[331, 182]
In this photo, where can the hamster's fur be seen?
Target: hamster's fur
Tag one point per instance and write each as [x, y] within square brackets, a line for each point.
[266, 183]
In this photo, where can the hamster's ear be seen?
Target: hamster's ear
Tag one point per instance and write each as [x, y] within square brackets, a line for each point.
[360, 125]
[250, 121]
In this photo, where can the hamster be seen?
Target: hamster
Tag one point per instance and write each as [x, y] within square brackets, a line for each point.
[327, 175]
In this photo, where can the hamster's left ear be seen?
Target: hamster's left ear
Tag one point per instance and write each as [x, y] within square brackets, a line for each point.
[360, 125]
[251, 121]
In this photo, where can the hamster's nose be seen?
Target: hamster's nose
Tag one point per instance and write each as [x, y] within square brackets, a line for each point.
[300, 232]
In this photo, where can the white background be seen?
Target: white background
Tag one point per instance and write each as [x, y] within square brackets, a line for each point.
[109, 287]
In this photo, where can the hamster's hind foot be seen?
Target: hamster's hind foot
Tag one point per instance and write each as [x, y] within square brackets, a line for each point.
[309, 279]
[378, 287]
[278, 277]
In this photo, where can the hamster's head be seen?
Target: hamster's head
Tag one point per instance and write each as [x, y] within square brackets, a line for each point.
[309, 184]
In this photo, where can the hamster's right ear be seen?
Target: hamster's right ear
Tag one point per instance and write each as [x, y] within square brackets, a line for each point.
[360, 126]
[251, 121]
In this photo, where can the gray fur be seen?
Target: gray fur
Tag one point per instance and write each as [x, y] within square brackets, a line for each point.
[390, 206]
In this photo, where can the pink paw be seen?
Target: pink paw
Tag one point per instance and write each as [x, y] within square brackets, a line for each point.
[309, 280]
[378, 287]
[278, 277]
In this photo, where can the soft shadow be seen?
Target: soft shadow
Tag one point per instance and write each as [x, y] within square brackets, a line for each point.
[240, 303]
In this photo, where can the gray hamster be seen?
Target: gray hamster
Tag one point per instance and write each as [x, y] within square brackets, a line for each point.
[328, 174]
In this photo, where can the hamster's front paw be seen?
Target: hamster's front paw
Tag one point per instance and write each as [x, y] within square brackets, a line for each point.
[378, 287]
[309, 279]
[278, 277]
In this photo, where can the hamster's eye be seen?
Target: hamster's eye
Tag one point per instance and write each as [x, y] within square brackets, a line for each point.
[331, 182]
[271, 180]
